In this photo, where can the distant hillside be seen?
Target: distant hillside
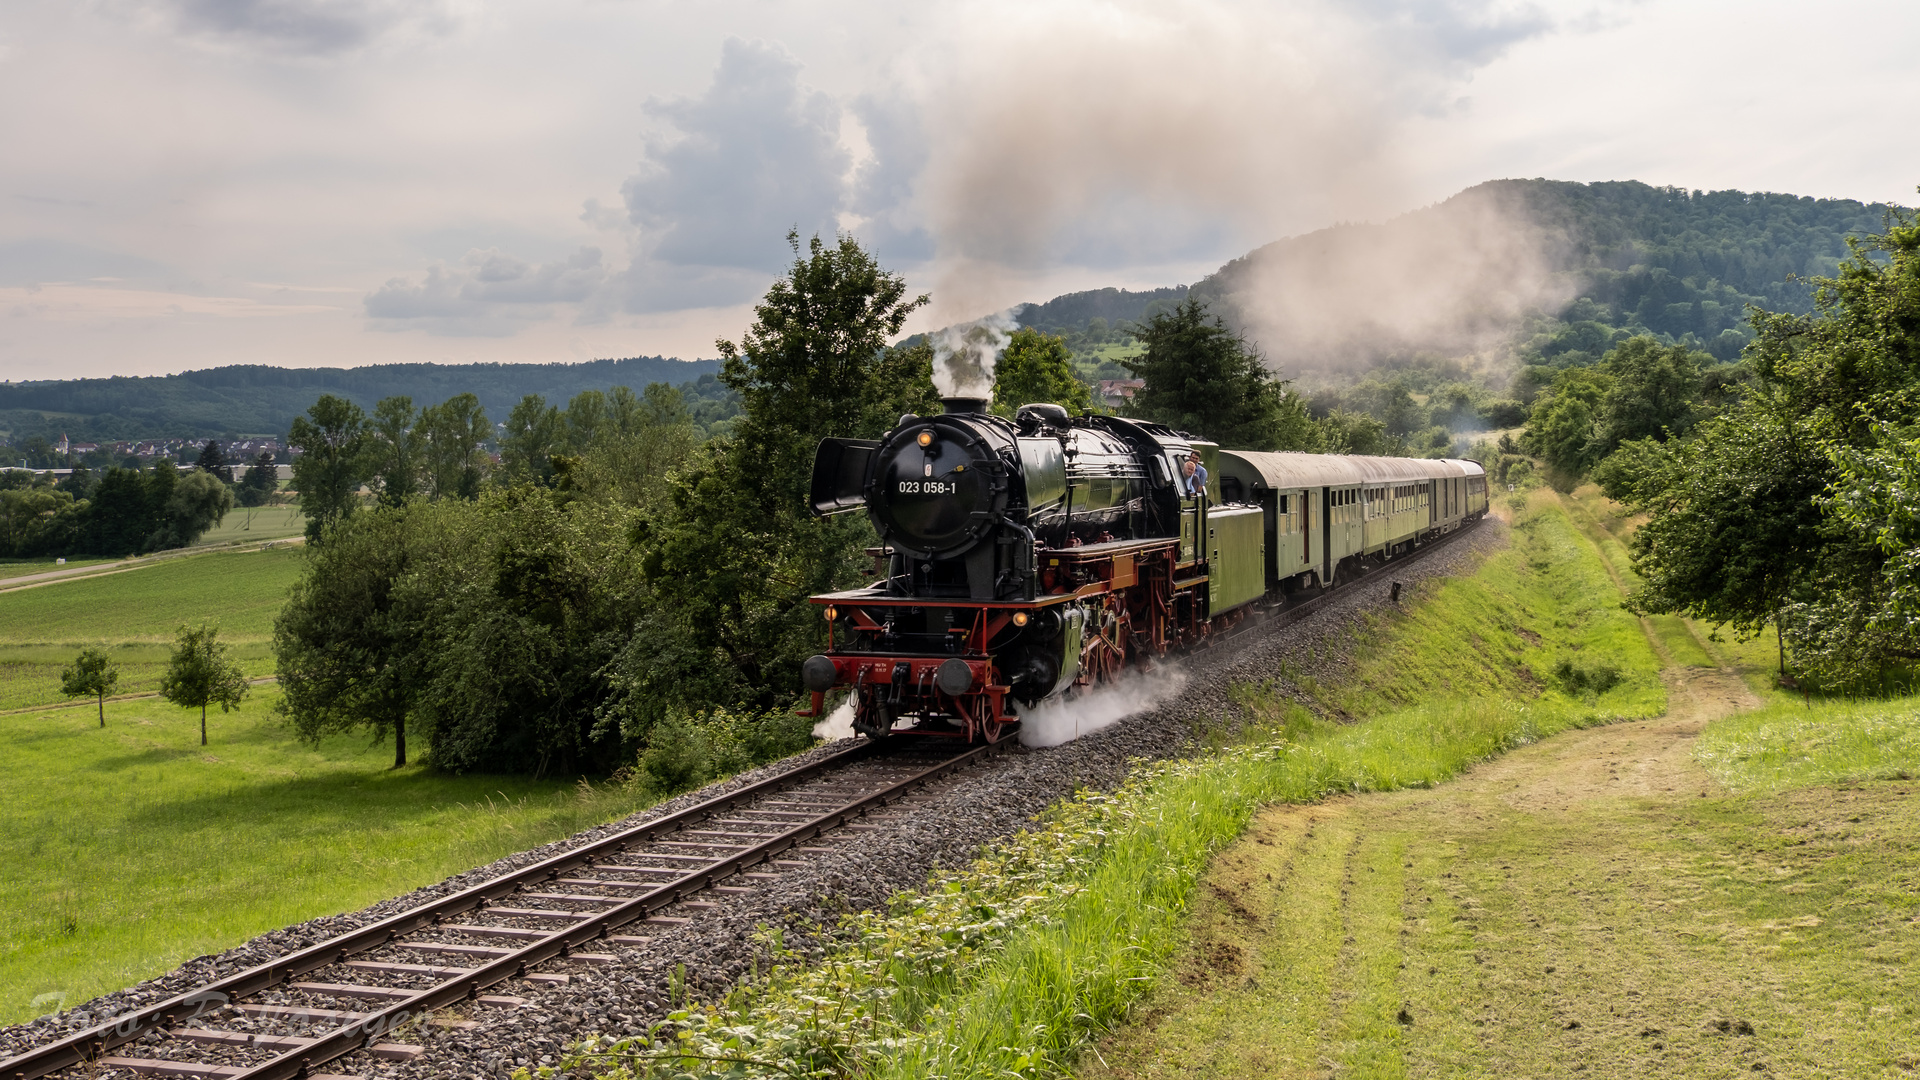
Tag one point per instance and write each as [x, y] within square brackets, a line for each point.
[1075, 311]
[253, 399]
[1532, 269]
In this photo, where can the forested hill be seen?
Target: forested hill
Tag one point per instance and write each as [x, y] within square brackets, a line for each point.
[254, 399]
[1543, 267]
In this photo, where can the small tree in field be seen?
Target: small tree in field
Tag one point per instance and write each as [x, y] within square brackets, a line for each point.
[92, 675]
[199, 674]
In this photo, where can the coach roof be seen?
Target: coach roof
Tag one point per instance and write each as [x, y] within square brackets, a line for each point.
[1291, 470]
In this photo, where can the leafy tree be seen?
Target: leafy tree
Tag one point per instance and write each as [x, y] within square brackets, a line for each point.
[259, 482]
[133, 512]
[736, 553]
[1343, 432]
[1731, 517]
[212, 462]
[457, 431]
[815, 361]
[194, 503]
[94, 675]
[1564, 427]
[535, 433]
[1654, 394]
[348, 644]
[397, 445]
[39, 520]
[199, 674]
[332, 463]
[1037, 367]
[1204, 378]
[588, 420]
[1787, 506]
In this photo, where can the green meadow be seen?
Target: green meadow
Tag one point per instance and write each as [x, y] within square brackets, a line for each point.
[134, 612]
[132, 849]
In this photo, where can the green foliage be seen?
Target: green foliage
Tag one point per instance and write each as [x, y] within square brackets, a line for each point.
[331, 440]
[347, 643]
[1203, 378]
[1037, 367]
[535, 432]
[94, 675]
[396, 446]
[39, 520]
[687, 750]
[456, 432]
[199, 674]
[1354, 433]
[1789, 506]
[815, 361]
[733, 553]
[211, 460]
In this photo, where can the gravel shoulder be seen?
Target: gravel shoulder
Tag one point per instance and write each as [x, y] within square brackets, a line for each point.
[857, 870]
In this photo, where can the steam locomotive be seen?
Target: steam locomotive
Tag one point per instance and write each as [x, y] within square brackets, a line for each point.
[1024, 559]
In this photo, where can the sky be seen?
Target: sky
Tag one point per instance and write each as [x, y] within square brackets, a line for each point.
[192, 183]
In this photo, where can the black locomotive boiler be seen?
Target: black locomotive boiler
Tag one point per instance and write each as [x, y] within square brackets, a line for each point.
[1021, 559]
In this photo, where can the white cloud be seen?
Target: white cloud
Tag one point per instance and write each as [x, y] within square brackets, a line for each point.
[757, 154]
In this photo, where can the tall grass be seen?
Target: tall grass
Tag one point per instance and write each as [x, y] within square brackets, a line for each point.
[1793, 743]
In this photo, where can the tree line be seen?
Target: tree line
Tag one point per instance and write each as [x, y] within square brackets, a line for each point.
[1780, 494]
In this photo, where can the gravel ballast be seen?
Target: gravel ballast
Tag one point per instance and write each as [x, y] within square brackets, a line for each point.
[948, 825]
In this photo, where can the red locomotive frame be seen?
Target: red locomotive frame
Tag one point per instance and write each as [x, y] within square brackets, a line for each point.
[1147, 604]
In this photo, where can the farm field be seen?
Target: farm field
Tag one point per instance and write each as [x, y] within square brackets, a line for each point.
[134, 613]
[266, 523]
[131, 849]
[1728, 889]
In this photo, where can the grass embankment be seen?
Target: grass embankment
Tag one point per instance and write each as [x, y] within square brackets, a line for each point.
[134, 614]
[1717, 892]
[1009, 966]
[131, 849]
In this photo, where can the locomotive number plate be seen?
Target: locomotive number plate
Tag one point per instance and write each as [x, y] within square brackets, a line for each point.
[927, 487]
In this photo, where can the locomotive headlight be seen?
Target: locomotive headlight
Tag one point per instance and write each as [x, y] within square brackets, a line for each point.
[832, 613]
[1019, 618]
[926, 438]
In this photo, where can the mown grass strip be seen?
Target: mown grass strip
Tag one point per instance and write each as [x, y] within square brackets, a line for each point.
[1010, 966]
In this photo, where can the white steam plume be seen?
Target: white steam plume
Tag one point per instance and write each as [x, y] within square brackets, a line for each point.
[837, 724]
[964, 355]
[1455, 278]
[1058, 720]
[1103, 132]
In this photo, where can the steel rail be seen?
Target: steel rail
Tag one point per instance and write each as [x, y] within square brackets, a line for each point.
[93, 1042]
[364, 1032]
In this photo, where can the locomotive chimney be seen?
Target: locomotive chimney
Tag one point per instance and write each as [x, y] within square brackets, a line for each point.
[965, 404]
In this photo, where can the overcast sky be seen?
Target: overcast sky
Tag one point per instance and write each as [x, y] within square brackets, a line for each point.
[189, 183]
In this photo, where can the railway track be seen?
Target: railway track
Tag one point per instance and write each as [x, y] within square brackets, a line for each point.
[361, 990]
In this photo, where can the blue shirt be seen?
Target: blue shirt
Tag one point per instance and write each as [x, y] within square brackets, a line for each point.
[1197, 483]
